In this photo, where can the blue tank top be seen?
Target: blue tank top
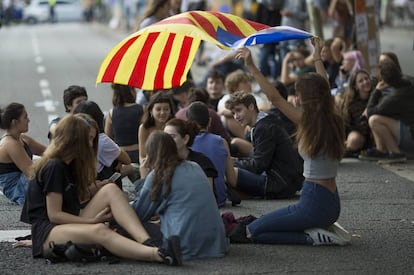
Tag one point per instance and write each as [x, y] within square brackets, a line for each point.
[125, 124]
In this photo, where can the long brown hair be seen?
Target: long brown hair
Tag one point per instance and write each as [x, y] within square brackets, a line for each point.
[321, 128]
[159, 97]
[70, 144]
[351, 94]
[163, 158]
[151, 9]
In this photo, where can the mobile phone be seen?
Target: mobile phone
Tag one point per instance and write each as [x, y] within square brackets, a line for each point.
[115, 176]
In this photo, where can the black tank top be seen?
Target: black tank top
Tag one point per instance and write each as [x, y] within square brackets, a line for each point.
[8, 167]
[125, 124]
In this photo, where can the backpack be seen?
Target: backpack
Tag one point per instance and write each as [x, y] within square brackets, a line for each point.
[71, 252]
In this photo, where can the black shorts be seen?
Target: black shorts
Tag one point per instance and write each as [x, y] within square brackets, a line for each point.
[40, 231]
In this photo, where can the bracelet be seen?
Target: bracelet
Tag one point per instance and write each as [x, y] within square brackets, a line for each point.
[319, 59]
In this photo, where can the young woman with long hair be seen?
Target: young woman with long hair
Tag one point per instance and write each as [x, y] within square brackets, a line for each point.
[320, 138]
[156, 10]
[179, 193]
[184, 132]
[158, 111]
[358, 134]
[61, 179]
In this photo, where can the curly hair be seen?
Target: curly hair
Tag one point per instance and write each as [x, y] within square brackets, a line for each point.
[233, 80]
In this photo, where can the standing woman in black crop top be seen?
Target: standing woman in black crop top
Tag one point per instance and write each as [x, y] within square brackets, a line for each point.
[16, 152]
[320, 138]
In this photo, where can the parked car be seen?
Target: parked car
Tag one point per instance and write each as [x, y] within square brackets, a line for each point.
[65, 10]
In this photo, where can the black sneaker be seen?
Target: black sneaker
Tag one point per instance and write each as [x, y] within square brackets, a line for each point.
[238, 235]
[152, 242]
[373, 154]
[233, 196]
[170, 251]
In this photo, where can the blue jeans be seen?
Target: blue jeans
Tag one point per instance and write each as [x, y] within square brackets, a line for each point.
[251, 183]
[317, 207]
[14, 186]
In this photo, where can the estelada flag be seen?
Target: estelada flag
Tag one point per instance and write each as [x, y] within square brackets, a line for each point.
[160, 55]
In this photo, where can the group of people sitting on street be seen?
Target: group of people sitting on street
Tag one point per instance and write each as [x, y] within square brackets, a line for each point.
[199, 147]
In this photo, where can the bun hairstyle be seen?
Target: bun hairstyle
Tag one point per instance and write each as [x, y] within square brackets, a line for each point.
[7, 114]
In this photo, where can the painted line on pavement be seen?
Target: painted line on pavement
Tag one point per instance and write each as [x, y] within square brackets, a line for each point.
[10, 235]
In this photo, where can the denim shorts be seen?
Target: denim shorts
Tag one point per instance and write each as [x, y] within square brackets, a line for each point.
[14, 186]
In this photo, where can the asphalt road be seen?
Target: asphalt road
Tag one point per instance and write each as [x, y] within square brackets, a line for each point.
[377, 204]
[377, 208]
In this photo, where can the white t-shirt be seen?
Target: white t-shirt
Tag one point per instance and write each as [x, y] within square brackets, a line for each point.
[108, 152]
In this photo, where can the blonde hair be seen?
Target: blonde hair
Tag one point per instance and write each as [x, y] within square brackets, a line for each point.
[233, 80]
[70, 144]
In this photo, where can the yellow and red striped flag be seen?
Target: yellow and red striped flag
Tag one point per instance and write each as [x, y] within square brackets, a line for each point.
[160, 56]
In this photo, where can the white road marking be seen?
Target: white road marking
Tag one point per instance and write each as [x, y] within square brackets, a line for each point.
[41, 69]
[47, 103]
[10, 235]
[43, 83]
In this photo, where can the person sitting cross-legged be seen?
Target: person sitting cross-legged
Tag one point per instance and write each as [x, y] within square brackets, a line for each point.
[179, 193]
[61, 180]
[274, 170]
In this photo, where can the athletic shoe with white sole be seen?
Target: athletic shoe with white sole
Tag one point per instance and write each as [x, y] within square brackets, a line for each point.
[334, 234]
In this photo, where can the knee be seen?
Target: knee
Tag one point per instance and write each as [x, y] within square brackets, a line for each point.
[374, 121]
[355, 141]
[110, 190]
[101, 231]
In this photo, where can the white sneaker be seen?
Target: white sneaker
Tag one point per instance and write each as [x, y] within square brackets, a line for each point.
[341, 232]
[332, 235]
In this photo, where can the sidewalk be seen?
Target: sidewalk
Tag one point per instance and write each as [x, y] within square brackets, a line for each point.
[405, 170]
